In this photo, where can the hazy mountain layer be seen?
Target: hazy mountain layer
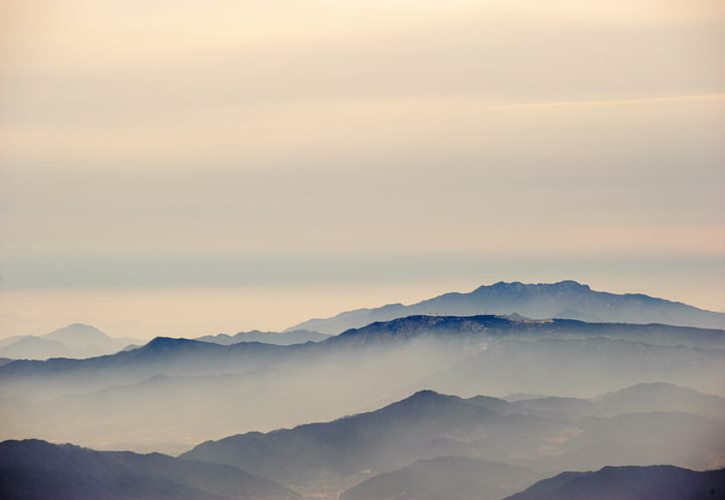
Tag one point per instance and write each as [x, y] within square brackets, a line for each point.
[34, 469]
[566, 299]
[498, 327]
[277, 338]
[350, 449]
[73, 341]
[570, 366]
[642, 397]
[167, 355]
[140, 399]
[427, 425]
[658, 482]
[444, 478]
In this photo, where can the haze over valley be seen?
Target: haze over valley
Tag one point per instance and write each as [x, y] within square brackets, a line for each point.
[491, 396]
[362, 250]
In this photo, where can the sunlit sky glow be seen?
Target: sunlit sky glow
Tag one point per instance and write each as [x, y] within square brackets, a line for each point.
[185, 167]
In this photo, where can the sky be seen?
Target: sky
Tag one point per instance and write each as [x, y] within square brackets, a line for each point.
[183, 168]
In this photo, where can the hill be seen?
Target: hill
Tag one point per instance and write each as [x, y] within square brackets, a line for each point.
[659, 482]
[34, 469]
[444, 478]
[73, 341]
[132, 396]
[277, 338]
[429, 425]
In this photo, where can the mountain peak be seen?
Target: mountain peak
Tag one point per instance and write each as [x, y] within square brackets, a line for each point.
[425, 398]
[517, 285]
[573, 285]
[167, 341]
[163, 343]
[81, 325]
[425, 394]
[76, 330]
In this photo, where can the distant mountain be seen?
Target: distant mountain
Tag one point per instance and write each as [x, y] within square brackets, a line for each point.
[277, 338]
[164, 356]
[566, 300]
[35, 348]
[128, 399]
[500, 327]
[642, 397]
[600, 364]
[428, 425]
[657, 482]
[34, 469]
[659, 396]
[352, 448]
[444, 478]
[73, 341]
[160, 356]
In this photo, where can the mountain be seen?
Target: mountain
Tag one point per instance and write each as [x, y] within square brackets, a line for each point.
[161, 355]
[73, 341]
[34, 469]
[427, 425]
[500, 327]
[277, 338]
[128, 399]
[164, 356]
[352, 448]
[658, 482]
[35, 348]
[659, 396]
[566, 300]
[600, 364]
[444, 478]
[642, 397]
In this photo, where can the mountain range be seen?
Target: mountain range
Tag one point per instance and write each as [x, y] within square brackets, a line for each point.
[658, 482]
[460, 478]
[565, 300]
[473, 337]
[129, 398]
[426, 446]
[642, 397]
[444, 478]
[249, 399]
[73, 341]
[34, 469]
[429, 425]
[276, 338]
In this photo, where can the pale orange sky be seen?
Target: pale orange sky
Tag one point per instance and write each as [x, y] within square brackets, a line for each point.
[185, 166]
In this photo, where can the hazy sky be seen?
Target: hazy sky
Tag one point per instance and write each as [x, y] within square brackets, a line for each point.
[187, 167]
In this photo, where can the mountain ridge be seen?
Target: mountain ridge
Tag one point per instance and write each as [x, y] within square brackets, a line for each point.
[77, 341]
[167, 349]
[564, 300]
[34, 468]
[656, 482]
[429, 424]
[276, 338]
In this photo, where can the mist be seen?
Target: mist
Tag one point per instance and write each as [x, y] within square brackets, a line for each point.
[362, 250]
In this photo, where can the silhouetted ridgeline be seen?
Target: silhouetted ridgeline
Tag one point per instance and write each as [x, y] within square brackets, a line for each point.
[566, 299]
[444, 478]
[429, 425]
[73, 341]
[128, 399]
[34, 469]
[426, 446]
[277, 338]
[659, 482]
